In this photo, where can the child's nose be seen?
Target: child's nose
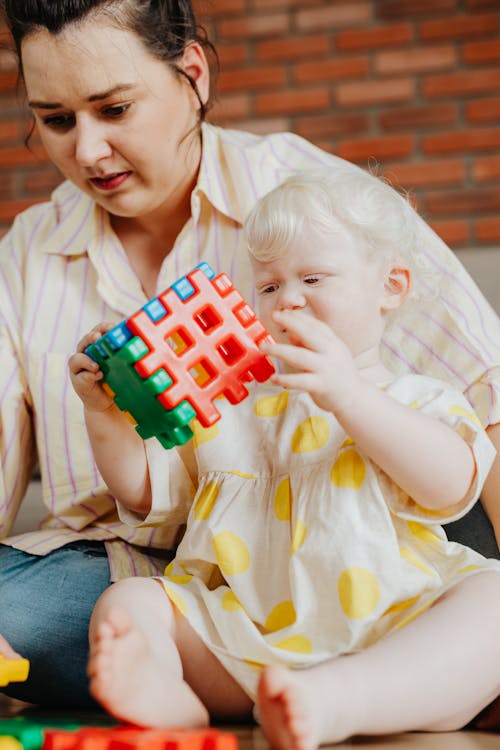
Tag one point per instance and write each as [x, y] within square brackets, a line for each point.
[291, 298]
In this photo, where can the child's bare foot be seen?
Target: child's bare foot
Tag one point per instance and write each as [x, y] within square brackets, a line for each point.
[134, 684]
[295, 711]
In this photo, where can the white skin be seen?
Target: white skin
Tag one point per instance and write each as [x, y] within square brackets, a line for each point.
[148, 666]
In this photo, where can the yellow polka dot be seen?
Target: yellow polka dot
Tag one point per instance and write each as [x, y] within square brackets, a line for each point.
[310, 435]
[348, 470]
[414, 405]
[176, 577]
[230, 602]
[176, 599]
[271, 406]
[299, 534]
[359, 592]
[203, 434]
[256, 665]
[206, 501]
[348, 441]
[297, 643]
[281, 616]
[401, 606]
[242, 474]
[411, 557]
[283, 501]
[459, 411]
[231, 552]
[423, 532]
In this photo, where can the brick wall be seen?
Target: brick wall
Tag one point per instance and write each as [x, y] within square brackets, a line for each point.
[411, 85]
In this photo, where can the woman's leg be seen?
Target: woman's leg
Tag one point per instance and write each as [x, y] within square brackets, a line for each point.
[435, 674]
[45, 608]
[148, 666]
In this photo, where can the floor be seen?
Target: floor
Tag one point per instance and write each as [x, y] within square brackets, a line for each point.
[250, 738]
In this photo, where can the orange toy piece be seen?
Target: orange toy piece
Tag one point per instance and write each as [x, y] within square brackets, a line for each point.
[13, 670]
[129, 737]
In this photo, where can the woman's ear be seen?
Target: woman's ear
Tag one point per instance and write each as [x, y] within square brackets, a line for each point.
[397, 286]
[195, 65]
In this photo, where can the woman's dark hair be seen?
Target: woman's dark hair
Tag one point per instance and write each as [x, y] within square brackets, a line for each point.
[165, 27]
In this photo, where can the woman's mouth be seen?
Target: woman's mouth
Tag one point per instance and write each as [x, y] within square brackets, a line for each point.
[111, 181]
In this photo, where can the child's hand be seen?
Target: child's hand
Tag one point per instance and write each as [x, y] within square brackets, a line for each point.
[85, 373]
[323, 365]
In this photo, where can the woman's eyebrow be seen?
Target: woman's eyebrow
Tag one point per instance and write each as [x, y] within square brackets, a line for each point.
[93, 98]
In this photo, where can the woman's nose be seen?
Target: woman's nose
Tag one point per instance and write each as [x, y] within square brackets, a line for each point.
[91, 144]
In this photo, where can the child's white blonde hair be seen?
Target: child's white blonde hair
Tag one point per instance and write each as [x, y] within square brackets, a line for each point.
[318, 200]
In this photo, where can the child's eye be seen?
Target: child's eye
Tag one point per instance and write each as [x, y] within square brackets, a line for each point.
[312, 279]
[268, 289]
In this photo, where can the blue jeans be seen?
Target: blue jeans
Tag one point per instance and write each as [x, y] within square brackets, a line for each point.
[45, 608]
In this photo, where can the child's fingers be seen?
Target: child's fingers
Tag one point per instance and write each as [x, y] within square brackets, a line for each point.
[303, 329]
[80, 362]
[296, 356]
[93, 335]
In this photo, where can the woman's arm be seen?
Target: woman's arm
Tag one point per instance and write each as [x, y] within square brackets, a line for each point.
[119, 451]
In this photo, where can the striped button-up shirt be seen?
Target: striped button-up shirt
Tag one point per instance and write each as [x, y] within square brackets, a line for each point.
[63, 269]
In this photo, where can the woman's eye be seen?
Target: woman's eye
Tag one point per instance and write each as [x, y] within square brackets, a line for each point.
[59, 122]
[115, 111]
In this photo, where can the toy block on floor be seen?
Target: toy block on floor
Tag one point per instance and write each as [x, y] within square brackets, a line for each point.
[125, 737]
[13, 670]
[169, 361]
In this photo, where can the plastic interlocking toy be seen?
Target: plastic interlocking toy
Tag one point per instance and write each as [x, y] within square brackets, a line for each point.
[167, 363]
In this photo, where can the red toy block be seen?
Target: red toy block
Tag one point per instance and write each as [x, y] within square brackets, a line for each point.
[215, 336]
[130, 737]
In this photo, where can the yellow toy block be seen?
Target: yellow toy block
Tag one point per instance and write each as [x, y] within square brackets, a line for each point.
[13, 670]
[10, 743]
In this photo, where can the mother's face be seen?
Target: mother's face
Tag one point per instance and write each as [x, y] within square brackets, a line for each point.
[115, 120]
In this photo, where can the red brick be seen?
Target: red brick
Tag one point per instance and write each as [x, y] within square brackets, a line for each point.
[482, 52]
[231, 54]
[453, 232]
[426, 173]
[221, 7]
[8, 80]
[459, 27]
[462, 83]
[463, 201]
[246, 79]
[481, 4]
[410, 8]
[10, 209]
[331, 125]
[375, 92]
[9, 131]
[418, 117]
[41, 182]
[294, 48]
[461, 141]
[16, 156]
[486, 168]
[250, 27]
[331, 16]
[362, 150]
[371, 38]
[483, 110]
[487, 230]
[335, 69]
[231, 107]
[305, 100]
[418, 60]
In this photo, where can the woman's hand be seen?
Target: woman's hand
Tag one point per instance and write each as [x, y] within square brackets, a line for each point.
[85, 373]
[323, 365]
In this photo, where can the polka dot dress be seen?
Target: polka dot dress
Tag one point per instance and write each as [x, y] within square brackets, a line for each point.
[298, 548]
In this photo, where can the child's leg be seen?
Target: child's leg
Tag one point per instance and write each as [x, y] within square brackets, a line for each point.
[434, 674]
[148, 666]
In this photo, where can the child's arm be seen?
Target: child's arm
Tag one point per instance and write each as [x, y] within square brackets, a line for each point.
[118, 450]
[425, 457]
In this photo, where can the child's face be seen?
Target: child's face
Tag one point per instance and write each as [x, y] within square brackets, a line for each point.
[331, 278]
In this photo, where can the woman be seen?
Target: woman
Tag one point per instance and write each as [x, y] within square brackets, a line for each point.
[119, 92]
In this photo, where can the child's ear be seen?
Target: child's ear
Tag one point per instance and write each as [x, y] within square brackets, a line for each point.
[397, 286]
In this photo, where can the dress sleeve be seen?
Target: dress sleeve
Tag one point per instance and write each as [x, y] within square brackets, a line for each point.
[17, 443]
[172, 488]
[440, 401]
